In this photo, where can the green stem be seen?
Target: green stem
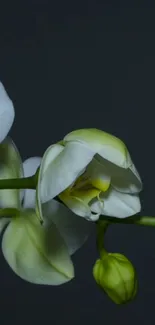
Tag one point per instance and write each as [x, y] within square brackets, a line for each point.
[136, 220]
[101, 227]
[145, 221]
[18, 183]
[9, 212]
[31, 183]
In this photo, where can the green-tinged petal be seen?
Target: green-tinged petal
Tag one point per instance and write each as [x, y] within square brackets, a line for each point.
[117, 204]
[35, 253]
[73, 229]
[60, 167]
[10, 167]
[105, 144]
[3, 223]
[7, 113]
[78, 203]
[30, 166]
[124, 180]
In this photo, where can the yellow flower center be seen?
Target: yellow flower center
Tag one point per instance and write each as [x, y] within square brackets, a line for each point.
[86, 188]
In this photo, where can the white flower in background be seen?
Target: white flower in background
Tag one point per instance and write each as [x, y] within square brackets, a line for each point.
[92, 173]
[7, 113]
[37, 253]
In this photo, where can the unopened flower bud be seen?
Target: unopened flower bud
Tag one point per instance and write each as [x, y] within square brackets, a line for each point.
[115, 274]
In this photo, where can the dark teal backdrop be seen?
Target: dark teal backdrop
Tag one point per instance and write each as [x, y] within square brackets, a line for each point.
[69, 66]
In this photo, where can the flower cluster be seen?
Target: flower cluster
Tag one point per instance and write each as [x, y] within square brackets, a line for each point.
[87, 175]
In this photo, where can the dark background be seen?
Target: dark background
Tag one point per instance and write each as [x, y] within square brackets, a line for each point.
[68, 66]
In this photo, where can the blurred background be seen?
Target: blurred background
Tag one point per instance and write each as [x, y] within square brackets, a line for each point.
[70, 65]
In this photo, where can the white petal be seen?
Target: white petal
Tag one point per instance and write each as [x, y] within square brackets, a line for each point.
[106, 145]
[73, 229]
[62, 169]
[7, 113]
[117, 204]
[10, 167]
[128, 182]
[124, 180]
[30, 167]
[35, 253]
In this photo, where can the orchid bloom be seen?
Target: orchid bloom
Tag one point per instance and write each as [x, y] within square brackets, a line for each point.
[37, 253]
[7, 113]
[92, 173]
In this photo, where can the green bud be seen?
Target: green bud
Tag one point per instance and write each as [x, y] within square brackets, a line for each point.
[115, 274]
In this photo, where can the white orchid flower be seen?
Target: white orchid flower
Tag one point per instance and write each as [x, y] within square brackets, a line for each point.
[7, 113]
[38, 254]
[92, 172]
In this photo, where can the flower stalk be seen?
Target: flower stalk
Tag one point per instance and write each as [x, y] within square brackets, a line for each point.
[136, 220]
[31, 183]
[20, 183]
[101, 227]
